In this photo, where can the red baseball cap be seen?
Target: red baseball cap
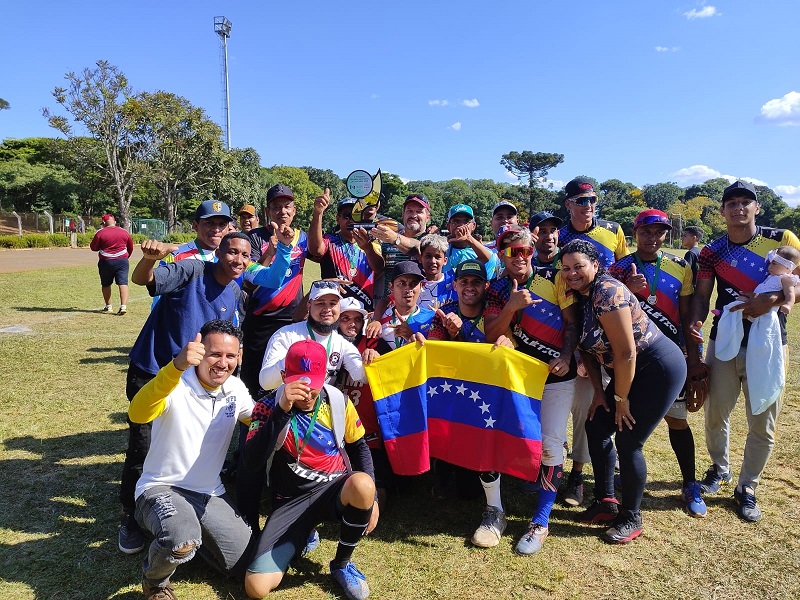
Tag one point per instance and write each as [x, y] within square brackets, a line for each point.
[306, 359]
[652, 216]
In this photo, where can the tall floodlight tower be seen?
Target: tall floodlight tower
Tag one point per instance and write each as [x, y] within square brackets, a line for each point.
[222, 27]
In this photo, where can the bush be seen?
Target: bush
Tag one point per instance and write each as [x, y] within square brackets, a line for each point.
[179, 238]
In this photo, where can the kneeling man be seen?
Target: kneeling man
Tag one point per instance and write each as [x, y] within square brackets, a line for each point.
[194, 404]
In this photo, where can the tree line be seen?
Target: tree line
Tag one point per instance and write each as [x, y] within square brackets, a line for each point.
[155, 155]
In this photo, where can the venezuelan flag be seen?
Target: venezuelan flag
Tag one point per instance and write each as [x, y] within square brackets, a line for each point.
[469, 404]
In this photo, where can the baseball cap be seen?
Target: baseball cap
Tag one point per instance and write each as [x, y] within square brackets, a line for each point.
[543, 216]
[504, 204]
[107, 217]
[352, 304]
[471, 268]
[324, 288]
[578, 187]
[308, 359]
[740, 188]
[212, 208]
[248, 209]
[507, 230]
[279, 191]
[419, 199]
[652, 216]
[406, 267]
[346, 202]
[459, 208]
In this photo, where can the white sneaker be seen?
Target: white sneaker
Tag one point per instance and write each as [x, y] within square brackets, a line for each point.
[488, 534]
[122, 310]
[107, 309]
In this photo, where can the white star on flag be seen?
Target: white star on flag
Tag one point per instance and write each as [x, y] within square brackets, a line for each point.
[484, 407]
[474, 396]
[490, 422]
[446, 387]
[461, 389]
[432, 391]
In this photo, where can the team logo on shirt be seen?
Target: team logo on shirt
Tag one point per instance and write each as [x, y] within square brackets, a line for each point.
[334, 359]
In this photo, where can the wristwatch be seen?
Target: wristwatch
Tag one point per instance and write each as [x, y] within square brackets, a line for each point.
[619, 398]
[397, 241]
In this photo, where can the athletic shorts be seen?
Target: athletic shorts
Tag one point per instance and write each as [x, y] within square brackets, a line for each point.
[113, 271]
[288, 527]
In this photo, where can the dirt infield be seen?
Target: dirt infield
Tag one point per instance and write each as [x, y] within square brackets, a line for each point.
[14, 261]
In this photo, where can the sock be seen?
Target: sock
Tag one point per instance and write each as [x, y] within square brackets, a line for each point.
[492, 489]
[354, 523]
[550, 478]
[682, 442]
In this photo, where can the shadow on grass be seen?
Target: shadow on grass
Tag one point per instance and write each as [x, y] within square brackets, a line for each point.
[116, 356]
[45, 309]
[60, 518]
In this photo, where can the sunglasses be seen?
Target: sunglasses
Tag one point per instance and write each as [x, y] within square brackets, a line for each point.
[325, 285]
[515, 251]
[585, 200]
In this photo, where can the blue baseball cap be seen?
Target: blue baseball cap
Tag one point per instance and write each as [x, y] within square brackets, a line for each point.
[212, 208]
[460, 208]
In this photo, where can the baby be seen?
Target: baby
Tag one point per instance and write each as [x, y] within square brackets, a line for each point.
[780, 275]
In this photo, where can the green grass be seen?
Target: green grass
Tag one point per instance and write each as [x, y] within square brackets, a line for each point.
[62, 438]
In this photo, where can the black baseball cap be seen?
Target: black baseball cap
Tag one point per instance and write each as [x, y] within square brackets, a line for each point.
[740, 188]
[579, 187]
[212, 208]
[279, 191]
[406, 267]
[541, 217]
[471, 268]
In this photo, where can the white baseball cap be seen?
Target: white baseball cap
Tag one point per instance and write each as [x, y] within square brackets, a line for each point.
[324, 288]
[353, 304]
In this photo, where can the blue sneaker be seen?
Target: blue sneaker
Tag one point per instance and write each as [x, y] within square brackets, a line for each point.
[352, 581]
[746, 504]
[311, 543]
[531, 542]
[713, 480]
[694, 502]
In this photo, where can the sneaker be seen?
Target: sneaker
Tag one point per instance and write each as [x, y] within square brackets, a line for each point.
[488, 534]
[122, 310]
[166, 592]
[531, 542]
[746, 504]
[626, 528]
[312, 543]
[573, 492]
[601, 512]
[713, 480]
[352, 581]
[694, 502]
[131, 538]
[107, 309]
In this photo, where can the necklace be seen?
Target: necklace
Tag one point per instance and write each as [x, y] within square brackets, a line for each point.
[351, 254]
[309, 431]
[652, 285]
[313, 337]
[474, 322]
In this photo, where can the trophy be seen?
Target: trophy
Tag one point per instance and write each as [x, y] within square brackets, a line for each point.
[367, 190]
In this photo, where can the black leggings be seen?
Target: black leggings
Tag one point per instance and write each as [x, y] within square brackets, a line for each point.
[658, 379]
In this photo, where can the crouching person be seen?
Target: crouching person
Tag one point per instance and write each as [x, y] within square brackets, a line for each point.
[194, 404]
[309, 435]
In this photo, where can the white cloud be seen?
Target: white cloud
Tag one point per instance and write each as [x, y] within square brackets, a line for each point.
[438, 103]
[753, 180]
[455, 126]
[471, 103]
[789, 193]
[667, 48]
[782, 111]
[703, 13]
[698, 174]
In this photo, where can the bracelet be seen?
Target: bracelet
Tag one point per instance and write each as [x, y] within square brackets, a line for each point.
[619, 398]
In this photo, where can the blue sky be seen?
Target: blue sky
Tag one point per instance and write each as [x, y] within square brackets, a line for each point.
[640, 90]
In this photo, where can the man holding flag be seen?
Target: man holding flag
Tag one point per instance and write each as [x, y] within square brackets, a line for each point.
[543, 325]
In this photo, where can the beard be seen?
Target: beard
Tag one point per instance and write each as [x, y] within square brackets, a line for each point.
[349, 338]
[321, 328]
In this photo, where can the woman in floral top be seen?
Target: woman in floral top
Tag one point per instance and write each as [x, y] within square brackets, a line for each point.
[647, 373]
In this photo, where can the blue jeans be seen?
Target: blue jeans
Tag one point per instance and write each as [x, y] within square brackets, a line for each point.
[185, 522]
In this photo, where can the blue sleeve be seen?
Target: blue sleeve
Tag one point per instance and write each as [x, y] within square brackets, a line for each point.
[174, 276]
[272, 276]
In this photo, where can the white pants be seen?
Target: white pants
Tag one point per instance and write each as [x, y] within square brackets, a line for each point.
[556, 405]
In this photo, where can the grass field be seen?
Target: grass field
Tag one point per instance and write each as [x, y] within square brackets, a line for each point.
[62, 438]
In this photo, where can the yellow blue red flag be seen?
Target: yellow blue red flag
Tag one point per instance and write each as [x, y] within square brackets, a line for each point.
[469, 404]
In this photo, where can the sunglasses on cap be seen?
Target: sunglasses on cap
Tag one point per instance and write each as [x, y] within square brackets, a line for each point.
[325, 285]
[584, 200]
[515, 251]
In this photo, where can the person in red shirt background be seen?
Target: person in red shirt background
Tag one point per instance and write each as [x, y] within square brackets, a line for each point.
[114, 246]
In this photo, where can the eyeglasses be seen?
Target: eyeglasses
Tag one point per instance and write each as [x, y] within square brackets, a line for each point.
[584, 200]
[515, 251]
[325, 285]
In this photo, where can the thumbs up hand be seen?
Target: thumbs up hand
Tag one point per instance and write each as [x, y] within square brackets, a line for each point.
[191, 355]
[636, 281]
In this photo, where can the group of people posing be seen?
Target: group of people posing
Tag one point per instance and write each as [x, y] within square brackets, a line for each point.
[619, 331]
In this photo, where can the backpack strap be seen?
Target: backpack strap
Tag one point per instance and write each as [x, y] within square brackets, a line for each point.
[338, 402]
